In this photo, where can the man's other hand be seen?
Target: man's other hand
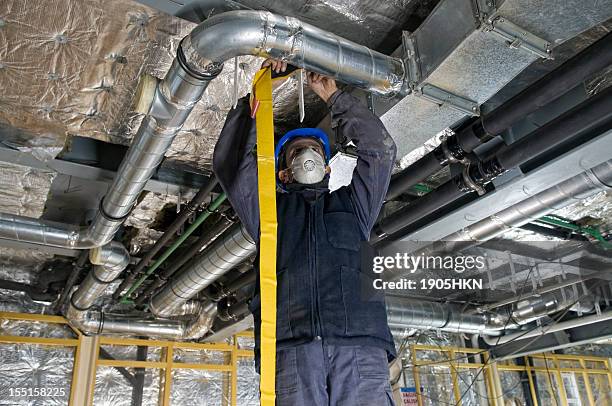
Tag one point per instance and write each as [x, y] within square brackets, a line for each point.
[276, 65]
[323, 86]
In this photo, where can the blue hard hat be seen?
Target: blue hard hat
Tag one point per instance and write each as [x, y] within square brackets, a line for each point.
[315, 133]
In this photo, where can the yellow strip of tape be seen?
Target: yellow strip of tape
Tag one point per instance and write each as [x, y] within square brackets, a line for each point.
[267, 242]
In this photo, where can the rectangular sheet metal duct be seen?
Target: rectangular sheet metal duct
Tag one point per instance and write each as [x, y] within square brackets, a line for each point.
[460, 54]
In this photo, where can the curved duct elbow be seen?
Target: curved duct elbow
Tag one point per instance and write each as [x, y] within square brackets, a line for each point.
[109, 261]
[93, 323]
[264, 34]
[225, 253]
[201, 324]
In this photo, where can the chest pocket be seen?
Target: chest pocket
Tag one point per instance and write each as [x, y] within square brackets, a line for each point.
[342, 230]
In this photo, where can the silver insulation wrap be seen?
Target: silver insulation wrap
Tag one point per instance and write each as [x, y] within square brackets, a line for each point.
[24, 190]
[225, 253]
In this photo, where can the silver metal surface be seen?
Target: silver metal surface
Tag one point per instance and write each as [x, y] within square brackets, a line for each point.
[563, 194]
[442, 97]
[518, 37]
[457, 55]
[109, 261]
[94, 322]
[424, 315]
[513, 191]
[198, 328]
[542, 330]
[227, 252]
[234, 33]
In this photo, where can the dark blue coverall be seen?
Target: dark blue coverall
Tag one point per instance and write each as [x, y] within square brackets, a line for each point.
[333, 341]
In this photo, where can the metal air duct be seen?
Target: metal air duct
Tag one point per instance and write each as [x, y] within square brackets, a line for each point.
[227, 252]
[264, 34]
[466, 51]
[173, 100]
[410, 313]
[565, 193]
[542, 330]
[93, 322]
[200, 58]
[109, 261]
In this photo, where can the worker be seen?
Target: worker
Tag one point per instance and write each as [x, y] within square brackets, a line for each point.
[333, 341]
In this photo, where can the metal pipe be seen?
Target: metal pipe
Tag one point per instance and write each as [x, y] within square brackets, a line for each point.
[547, 89]
[201, 218]
[264, 34]
[174, 99]
[234, 312]
[162, 278]
[109, 261]
[217, 291]
[410, 313]
[169, 233]
[594, 115]
[565, 193]
[93, 322]
[225, 253]
[543, 330]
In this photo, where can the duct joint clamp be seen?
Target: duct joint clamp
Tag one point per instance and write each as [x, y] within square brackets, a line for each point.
[445, 98]
[518, 37]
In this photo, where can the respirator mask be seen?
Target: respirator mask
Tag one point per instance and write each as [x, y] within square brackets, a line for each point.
[308, 166]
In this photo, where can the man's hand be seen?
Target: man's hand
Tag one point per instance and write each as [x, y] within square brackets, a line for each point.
[323, 86]
[276, 65]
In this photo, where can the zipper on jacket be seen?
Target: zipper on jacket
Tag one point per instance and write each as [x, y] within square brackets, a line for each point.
[312, 246]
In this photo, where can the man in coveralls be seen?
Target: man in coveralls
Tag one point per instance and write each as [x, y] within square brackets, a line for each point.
[333, 341]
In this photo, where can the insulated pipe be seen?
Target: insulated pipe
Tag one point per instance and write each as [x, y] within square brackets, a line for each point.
[423, 315]
[543, 330]
[264, 34]
[227, 252]
[218, 291]
[552, 86]
[563, 194]
[594, 115]
[234, 312]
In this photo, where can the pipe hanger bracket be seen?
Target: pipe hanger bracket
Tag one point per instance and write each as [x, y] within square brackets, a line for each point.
[445, 98]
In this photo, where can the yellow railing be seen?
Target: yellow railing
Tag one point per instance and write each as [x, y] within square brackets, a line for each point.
[544, 373]
[165, 365]
[553, 367]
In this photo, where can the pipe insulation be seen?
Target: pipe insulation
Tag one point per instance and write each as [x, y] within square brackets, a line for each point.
[563, 194]
[555, 84]
[172, 102]
[592, 117]
[227, 252]
[109, 261]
